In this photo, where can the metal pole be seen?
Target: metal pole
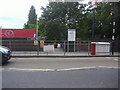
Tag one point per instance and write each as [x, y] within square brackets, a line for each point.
[68, 47]
[77, 46]
[93, 24]
[113, 37]
[37, 38]
[37, 29]
[88, 48]
[74, 46]
[113, 14]
[1, 34]
[10, 44]
[64, 47]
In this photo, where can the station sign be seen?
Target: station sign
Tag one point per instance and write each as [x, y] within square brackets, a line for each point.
[71, 34]
[17, 33]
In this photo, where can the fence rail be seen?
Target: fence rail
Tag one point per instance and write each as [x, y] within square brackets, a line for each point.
[27, 47]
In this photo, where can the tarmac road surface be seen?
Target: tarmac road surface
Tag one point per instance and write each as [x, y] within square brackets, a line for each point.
[92, 72]
[87, 78]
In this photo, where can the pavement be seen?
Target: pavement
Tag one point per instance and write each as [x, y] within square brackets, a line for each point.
[58, 52]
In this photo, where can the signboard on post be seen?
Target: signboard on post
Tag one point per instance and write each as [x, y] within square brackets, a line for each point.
[71, 34]
[41, 44]
[35, 42]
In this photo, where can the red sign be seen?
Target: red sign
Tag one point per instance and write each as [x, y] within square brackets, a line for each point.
[17, 33]
[94, 3]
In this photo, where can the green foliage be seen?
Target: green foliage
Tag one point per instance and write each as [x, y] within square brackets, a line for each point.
[55, 30]
[61, 16]
[117, 19]
[32, 17]
[29, 26]
[103, 21]
[41, 28]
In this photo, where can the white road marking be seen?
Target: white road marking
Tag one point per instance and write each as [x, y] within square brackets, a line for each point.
[115, 59]
[52, 58]
[67, 69]
[108, 57]
[107, 67]
[22, 69]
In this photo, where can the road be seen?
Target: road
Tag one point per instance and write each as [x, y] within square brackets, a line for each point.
[92, 72]
[61, 63]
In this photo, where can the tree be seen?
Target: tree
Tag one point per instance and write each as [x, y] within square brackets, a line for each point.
[103, 21]
[41, 29]
[29, 26]
[117, 19]
[65, 15]
[32, 17]
[55, 30]
[70, 15]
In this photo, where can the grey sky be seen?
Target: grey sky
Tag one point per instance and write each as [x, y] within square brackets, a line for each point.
[14, 13]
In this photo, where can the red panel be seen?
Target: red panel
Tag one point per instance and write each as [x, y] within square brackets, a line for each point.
[93, 48]
[17, 33]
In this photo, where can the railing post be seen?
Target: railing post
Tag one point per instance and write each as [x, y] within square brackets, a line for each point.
[68, 46]
[10, 44]
[88, 48]
[64, 47]
[38, 49]
[74, 45]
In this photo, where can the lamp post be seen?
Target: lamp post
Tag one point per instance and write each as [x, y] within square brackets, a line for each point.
[113, 31]
[41, 20]
[37, 22]
[113, 16]
[92, 6]
[1, 35]
[93, 24]
[36, 29]
[36, 37]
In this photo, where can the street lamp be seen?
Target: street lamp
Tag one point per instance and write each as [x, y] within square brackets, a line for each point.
[113, 36]
[93, 24]
[41, 20]
[113, 14]
[37, 22]
[113, 31]
[36, 37]
[92, 6]
[0, 35]
[37, 29]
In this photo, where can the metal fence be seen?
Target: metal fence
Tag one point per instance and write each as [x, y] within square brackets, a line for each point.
[57, 48]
